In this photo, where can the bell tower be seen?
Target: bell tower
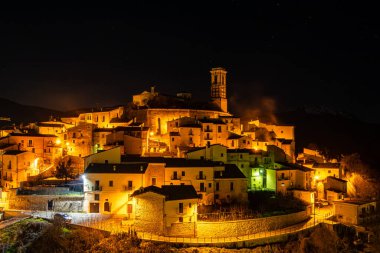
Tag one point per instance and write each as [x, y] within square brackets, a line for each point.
[219, 88]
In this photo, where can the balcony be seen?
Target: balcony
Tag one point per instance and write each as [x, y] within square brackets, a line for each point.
[96, 188]
[175, 178]
[201, 177]
[9, 179]
[128, 188]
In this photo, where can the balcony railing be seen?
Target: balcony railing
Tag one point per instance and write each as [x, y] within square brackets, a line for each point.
[208, 130]
[96, 188]
[175, 178]
[128, 188]
[10, 179]
[201, 177]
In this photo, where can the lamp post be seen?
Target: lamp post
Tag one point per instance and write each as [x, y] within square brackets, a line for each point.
[314, 211]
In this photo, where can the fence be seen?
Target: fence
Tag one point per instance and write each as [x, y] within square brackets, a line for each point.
[114, 226]
[263, 237]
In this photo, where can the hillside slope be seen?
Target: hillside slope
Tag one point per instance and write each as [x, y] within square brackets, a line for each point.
[335, 133]
[25, 113]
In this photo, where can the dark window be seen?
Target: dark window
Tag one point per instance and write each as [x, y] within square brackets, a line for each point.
[202, 187]
[110, 183]
[129, 208]
[180, 219]
[172, 138]
[209, 185]
[231, 186]
[180, 207]
[154, 181]
[221, 155]
[189, 205]
[216, 196]
[183, 173]
[107, 207]
[130, 185]
[217, 186]
[96, 196]
[241, 156]
[219, 129]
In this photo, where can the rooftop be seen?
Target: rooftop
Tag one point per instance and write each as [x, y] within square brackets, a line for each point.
[171, 192]
[172, 162]
[212, 120]
[13, 152]
[326, 165]
[122, 168]
[293, 166]
[231, 171]
[32, 135]
[356, 202]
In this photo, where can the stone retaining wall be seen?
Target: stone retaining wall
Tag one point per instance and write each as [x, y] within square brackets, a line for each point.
[250, 226]
[40, 203]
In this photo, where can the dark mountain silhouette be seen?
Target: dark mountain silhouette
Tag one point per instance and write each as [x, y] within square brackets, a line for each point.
[334, 133]
[25, 113]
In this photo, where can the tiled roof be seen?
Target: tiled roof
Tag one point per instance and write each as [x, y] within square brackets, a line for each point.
[200, 148]
[49, 125]
[285, 141]
[191, 125]
[32, 135]
[122, 168]
[100, 130]
[6, 145]
[356, 202]
[173, 162]
[293, 166]
[234, 136]
[326, 165]
[231, 171]
[337, 179]
[13, 152]
[136, 124]
[212, 120]
[118, 120]
[171, 192]
[239, 150]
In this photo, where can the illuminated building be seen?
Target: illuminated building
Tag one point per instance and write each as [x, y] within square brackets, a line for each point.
[16, 166]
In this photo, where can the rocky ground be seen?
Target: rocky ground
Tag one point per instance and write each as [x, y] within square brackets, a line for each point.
[38, 235]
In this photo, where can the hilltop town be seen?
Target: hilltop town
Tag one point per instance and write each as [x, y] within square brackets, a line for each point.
[170, 166]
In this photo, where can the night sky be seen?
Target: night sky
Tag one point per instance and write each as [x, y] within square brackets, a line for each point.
[299, 53]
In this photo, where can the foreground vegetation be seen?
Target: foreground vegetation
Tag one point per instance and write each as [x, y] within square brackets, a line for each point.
[38, 235]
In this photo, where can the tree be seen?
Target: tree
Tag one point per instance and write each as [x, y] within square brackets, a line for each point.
[64, 169]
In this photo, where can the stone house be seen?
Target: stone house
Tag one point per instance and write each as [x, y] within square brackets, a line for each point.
[167, 210]
[354, 211]
[16, 166]
[45, 146]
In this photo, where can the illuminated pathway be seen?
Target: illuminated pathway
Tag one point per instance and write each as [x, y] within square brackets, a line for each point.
[113, 225]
